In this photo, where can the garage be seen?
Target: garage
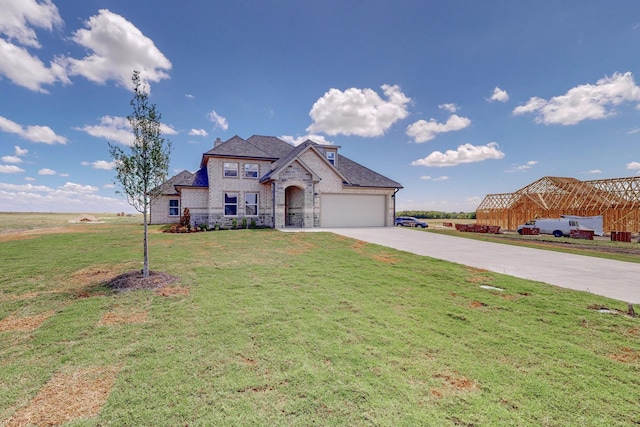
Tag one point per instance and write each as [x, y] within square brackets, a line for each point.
[352, 210]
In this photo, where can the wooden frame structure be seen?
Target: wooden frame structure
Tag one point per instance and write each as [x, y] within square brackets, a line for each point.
[617, 200]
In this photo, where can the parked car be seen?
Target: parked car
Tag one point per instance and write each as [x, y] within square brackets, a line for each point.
[409, 221]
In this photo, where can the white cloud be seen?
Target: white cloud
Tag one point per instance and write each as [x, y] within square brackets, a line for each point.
[448, 107]
[584, 102]
[26, 70]
[594, 171]
[18, 17]
[359, 112]
[10, 169]
[633, 131]
[118, 129]
[11, 159]
[633, 165]
[20, 151]
[46, 171]
[438, 178]
[109, 186]
[523, 168]
[111, 128]
[17, 22]
[70, 197]
[100, 164]
[198, 132]
[218, 120]
[466, 153]
[423, 131]
[295, 141]
[35, 133]
[117, 47]
[28, 178]
[499, 95]
[189, 96]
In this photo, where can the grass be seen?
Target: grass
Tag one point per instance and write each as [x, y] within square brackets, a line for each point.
[271, 328]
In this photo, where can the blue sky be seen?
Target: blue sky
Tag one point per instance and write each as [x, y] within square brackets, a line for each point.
[453, 99]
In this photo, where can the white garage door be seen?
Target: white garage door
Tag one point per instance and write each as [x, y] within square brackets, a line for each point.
[352, 210]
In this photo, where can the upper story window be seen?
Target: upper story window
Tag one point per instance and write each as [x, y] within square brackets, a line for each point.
[231, 170]
[331, 156]
[174, 207]
[251, 170]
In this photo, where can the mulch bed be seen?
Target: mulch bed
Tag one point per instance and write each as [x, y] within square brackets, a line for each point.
[135, 280]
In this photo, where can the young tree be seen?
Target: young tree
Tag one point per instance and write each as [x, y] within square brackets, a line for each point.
[142, 172]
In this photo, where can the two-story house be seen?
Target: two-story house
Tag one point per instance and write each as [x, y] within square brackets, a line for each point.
[276, 184]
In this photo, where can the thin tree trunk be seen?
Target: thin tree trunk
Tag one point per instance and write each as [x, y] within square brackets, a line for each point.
[145, 268]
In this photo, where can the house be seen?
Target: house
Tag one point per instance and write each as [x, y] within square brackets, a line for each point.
[276, 184]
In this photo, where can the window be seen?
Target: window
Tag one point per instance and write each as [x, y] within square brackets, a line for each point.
[331, 156]
[230, 204]
[231, 170]
[250, 170]
[174, 207]
[251, 204]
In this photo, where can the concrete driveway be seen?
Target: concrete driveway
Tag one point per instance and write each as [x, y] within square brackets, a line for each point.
[614, 279]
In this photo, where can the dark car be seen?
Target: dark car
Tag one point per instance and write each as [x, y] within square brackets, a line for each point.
[409, 221]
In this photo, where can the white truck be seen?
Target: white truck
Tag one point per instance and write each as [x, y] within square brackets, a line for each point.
[559, 227]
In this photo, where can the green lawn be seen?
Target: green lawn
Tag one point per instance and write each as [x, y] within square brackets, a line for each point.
[272, 328]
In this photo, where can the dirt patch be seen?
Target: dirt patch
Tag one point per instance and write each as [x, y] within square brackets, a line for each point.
[66, 397]
[172, 291]
[626, 355]
[28, 234]
[387, 259]
[134, 280]
[95, 274]
[477, 304]
[24, 323]
[121, 317]
[453, 384]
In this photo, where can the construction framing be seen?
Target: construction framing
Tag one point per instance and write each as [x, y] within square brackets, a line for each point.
[617, 200]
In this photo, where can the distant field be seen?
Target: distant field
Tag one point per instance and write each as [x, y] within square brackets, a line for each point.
[22, 221]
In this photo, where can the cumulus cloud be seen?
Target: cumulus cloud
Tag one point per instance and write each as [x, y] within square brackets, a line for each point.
[11, 159]
[198, 132]
[36, 133]
[27, 70]
[633, 165]
[46, 171]
[10, 169]
[18, 18]
[100, 164]
[218, 120]
[295, 141]
[70, 197]
[360, 112]
[466, 153]
[584, 102]
[448, 107]
[524, 167]
[594, 171]
[17, 22]
[20, 151]
[423, 131]
[499, 95]
[118, 129]
[117, 47]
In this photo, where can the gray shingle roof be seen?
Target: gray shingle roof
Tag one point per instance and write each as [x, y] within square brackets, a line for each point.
[183, 178]
[281, 153]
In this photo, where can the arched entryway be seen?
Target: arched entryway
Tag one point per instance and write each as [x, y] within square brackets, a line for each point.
[294, 207]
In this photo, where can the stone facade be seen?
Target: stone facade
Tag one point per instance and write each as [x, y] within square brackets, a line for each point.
[286, 182]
